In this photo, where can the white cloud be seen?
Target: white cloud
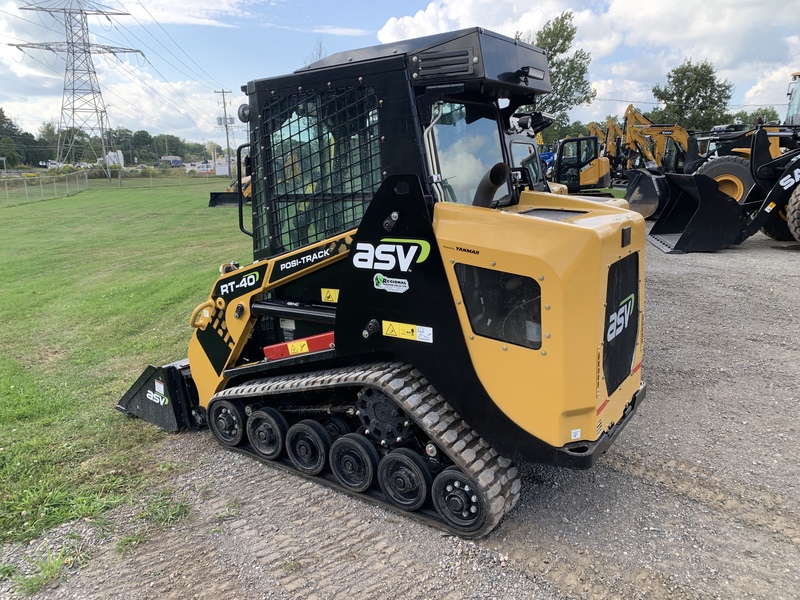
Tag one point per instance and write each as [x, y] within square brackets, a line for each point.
[634, 44]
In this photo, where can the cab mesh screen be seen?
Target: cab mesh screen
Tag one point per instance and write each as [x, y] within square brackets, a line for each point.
[321, 163]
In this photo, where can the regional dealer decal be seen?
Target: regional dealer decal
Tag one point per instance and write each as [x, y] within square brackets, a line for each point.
[390, 284]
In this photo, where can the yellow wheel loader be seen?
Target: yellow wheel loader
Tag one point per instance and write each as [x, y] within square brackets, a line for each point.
[416, 316]
[728, 162]
[700, 217]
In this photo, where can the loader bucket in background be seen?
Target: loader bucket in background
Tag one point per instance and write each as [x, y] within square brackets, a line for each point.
[647, 192]
[697, 217]
[164, 396]
[223, 199]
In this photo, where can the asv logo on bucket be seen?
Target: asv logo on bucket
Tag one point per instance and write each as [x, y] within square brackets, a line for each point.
[159, 399]
[387, 256]
[618, 321]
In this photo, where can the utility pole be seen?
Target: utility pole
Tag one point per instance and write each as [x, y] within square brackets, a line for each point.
[225, 120]
[82, 107]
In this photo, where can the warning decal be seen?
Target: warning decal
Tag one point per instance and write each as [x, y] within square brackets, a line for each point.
[297, 347]
[416, 333]
[329, 294]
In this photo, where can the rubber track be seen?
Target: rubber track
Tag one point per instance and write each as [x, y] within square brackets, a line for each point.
[496, 477]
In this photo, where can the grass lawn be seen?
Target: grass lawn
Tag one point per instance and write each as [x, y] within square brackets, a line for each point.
[94, 287]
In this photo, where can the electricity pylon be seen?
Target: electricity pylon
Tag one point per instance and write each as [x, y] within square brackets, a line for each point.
[82, 106]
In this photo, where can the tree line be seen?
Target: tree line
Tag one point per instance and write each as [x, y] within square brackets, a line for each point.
[21, 148]
[693, 96]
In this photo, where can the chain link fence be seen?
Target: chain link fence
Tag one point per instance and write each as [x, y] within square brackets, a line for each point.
[20, 189]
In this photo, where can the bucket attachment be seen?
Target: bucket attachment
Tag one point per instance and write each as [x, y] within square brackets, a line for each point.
[223, 199]
[164, 396]
[697, 217]
[647, 191]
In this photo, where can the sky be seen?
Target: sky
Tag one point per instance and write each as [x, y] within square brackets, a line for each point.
[191, 50]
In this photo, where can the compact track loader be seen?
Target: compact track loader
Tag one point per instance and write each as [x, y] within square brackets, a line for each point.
[416, 316]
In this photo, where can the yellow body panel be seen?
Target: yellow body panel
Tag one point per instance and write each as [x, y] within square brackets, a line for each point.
[234, 330]
[556, 393]
[594, 172]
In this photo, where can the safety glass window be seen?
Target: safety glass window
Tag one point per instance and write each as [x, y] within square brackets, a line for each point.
[468, 144]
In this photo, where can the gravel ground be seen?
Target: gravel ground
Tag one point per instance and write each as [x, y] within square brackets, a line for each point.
[698, 498]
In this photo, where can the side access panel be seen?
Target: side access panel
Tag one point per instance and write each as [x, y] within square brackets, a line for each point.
[164, 396]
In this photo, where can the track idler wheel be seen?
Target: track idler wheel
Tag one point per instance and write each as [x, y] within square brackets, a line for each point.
[458, 501]
[354, 462]
[404, 479]
[308, 444]
[266, 431]
[226, 419]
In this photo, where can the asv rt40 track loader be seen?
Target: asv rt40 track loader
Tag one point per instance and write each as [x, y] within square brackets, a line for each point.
[415, 318]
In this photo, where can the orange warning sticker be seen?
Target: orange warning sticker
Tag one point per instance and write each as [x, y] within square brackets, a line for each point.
[297, 347]
[405, 331]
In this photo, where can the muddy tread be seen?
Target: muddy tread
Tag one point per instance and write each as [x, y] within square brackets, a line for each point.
[496, 477]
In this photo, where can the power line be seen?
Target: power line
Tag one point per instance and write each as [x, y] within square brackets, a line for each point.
[82, 107]
[655, 103]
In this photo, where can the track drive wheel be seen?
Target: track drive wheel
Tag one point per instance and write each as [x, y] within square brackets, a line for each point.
[266, 431]
[226, 419]
[308, 444]
[793, 213]
[732, 174]
[458, 501]
[404, 479]
[354, 462]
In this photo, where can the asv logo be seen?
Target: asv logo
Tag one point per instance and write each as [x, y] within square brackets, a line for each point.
[618, 321]
[386, 256]
[789, 180]
[159, 399]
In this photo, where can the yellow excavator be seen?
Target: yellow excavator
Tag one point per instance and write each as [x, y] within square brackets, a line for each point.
[417, 316]
[651, 150]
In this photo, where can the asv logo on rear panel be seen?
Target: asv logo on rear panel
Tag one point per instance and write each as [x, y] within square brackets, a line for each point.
[618, 321]
[387, 256]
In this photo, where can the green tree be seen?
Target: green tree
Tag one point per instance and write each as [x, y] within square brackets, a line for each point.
[123, 140]
[560, 129]
[143, 148]
[7, 126]
[568, 72]
[168, 145]
[32, 150]
[767, 114]
[9, 149]
[693, 97]
[47, 136]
